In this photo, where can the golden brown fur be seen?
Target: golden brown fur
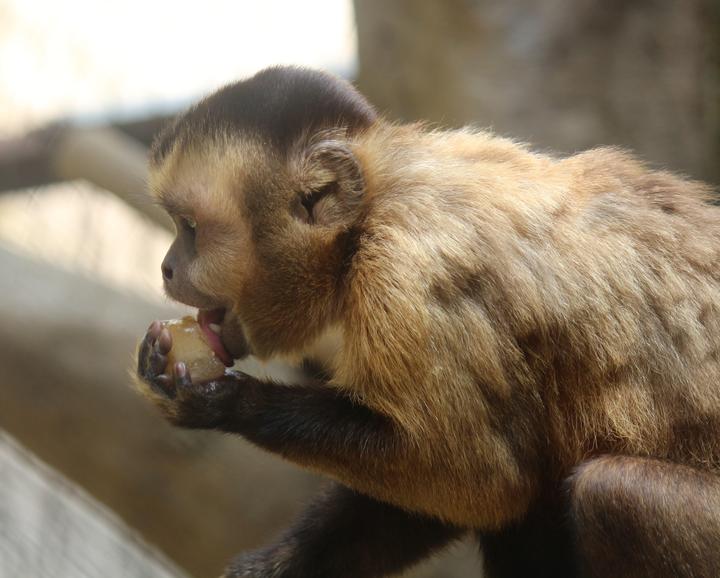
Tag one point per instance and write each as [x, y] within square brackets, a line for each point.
[582, 292]
[588, 287]
[511, 313]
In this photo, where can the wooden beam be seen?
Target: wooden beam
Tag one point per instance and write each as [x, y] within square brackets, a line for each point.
[25, 161]
[104, 156]
[111, 160]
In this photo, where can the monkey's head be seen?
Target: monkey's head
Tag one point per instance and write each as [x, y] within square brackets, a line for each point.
[266, 189]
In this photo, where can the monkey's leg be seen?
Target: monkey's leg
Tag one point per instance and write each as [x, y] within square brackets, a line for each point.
[643, 517]
[539, 546]
[345, 534]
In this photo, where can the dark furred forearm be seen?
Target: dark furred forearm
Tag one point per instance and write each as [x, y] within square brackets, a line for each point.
[306, 424]
[343, 533]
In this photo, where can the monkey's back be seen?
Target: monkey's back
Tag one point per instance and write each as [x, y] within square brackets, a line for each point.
[569, 307]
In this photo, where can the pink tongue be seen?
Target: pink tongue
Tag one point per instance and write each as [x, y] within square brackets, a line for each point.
[205, 318]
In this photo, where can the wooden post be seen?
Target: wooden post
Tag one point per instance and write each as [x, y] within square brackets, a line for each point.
[564, 76]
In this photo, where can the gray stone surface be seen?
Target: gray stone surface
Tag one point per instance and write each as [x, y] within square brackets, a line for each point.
[51, 528]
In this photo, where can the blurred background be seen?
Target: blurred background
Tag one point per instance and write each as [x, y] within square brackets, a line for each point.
[92, 481]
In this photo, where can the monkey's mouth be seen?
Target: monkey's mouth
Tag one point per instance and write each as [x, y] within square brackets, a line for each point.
[225, 337]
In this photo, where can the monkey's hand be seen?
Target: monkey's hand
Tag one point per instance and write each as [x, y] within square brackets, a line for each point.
[184, 403]
[315, 425]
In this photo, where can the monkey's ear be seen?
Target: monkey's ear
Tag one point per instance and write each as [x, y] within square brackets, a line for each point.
[332, 184]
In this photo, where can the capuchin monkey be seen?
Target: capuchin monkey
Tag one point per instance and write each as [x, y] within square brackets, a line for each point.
[516, 346]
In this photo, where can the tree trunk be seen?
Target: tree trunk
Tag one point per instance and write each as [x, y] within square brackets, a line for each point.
[565, 75]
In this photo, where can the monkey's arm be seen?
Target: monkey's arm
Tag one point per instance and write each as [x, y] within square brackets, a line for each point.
[343, 533]
[299, 422]
[315, 426]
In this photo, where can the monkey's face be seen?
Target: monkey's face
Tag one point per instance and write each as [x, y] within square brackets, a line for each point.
[210, 259]
[259, 240]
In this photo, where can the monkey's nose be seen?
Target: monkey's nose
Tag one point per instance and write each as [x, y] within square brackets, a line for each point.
[167, 272]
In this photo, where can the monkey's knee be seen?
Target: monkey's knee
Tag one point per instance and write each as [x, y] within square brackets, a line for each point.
[644, 517]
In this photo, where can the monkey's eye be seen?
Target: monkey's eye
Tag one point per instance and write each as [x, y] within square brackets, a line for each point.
[188, 224]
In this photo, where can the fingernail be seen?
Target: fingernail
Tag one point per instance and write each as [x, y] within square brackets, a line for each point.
[166, 385]
[165, 341]
[180, 369]
[155, 328]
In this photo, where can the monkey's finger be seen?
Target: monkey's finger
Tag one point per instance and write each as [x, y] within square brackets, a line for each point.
[164, 341]
[145, 352]
[151, 336]
[157, 362]
[146, 347]
[182, 377]
[142, 355]
[163, 384]
[154, 330]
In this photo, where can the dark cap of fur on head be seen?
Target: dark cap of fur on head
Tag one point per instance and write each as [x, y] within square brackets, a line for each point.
[278, 104]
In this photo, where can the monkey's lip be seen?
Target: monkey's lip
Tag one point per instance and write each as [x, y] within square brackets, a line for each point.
[205, 318]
